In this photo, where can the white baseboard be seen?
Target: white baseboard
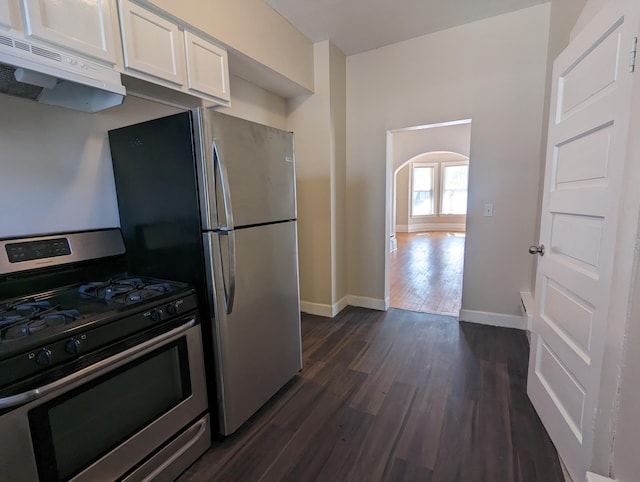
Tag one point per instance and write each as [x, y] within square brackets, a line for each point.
[493, 319]
[316, 309]
[526, 305]
[415, 228]
[340, 305]
[319, 309]
[591, 477]
[371, 303]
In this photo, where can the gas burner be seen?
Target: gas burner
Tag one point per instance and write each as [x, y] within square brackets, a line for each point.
[28, 318]
[22, 311]
[125, 290]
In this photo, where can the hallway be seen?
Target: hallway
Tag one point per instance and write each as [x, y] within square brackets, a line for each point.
[426, 272]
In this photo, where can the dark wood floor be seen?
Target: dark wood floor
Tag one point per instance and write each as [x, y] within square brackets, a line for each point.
[426, 272]
[395, 396]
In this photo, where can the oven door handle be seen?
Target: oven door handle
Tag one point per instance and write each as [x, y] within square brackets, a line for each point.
[28, 396]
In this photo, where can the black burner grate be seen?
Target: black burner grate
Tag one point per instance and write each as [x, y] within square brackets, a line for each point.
[30, 317]
[125, 290]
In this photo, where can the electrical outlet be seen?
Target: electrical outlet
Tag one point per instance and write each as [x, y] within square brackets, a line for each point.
[488, 210]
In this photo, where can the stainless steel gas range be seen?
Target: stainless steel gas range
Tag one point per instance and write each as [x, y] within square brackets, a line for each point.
[101, 371]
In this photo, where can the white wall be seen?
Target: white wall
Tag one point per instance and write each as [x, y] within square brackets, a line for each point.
[318, 122]
[590, 10]
[408, 142]
[491, 71]
[338, 114]
[309, 119]
[56, 168]
[402, 197]
[56, 172]
[256, 104]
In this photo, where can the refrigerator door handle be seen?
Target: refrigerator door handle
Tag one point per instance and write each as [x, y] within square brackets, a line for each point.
[230, 291]
[224, 184]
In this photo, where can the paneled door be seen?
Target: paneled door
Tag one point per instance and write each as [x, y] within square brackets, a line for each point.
[584, 172]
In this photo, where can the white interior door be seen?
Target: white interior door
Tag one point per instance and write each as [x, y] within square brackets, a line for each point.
[586, 154]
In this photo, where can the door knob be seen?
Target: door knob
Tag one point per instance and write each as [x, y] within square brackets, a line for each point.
[537, 249]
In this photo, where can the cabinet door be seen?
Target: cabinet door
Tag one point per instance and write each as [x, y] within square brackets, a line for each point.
[5, 16]
[85, 26]
[152, 45]
[207, 68]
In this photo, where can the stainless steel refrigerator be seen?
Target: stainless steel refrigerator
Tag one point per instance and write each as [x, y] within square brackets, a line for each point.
[209, 199]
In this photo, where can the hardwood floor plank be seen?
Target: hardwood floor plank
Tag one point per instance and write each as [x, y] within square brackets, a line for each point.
[455, 452]
[353, 435]
[426, 272]
[403, 470]
[394, 396]
[375, 456]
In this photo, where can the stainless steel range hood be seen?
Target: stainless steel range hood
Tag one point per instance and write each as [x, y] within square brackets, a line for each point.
[53, 77]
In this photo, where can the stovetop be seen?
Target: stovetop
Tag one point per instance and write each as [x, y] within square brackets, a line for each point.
[46, 329]
[36, 317]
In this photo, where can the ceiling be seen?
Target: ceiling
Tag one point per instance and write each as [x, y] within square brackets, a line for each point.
[355, 26]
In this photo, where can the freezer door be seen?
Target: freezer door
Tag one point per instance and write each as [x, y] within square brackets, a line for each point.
[248, 171]
[257, 338]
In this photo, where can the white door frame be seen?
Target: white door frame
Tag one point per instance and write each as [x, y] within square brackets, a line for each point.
[389, 228]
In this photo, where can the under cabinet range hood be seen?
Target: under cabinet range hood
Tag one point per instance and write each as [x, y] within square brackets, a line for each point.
[53, 77]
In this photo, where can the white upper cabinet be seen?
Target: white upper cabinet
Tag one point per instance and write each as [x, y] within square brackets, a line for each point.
[163, 50]
[207, 67]
[152, 45]
[5, 15]
[86, 26]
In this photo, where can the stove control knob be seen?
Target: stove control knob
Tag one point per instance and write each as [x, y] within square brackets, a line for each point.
[44, 357]
[157, 315]
[73, 346]
[172, 308]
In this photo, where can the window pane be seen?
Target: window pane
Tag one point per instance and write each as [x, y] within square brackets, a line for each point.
[454, 192]
[455, 177]
[454, 202]
[422, 178]
[422, 191]
[422, 203]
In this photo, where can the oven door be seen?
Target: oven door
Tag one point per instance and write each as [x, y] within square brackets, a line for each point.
[106, 420]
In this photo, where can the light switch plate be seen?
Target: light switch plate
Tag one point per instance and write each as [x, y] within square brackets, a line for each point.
[488, 210]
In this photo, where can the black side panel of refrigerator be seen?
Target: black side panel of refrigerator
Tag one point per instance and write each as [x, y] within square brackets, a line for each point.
[156, 185]
[156, 182]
